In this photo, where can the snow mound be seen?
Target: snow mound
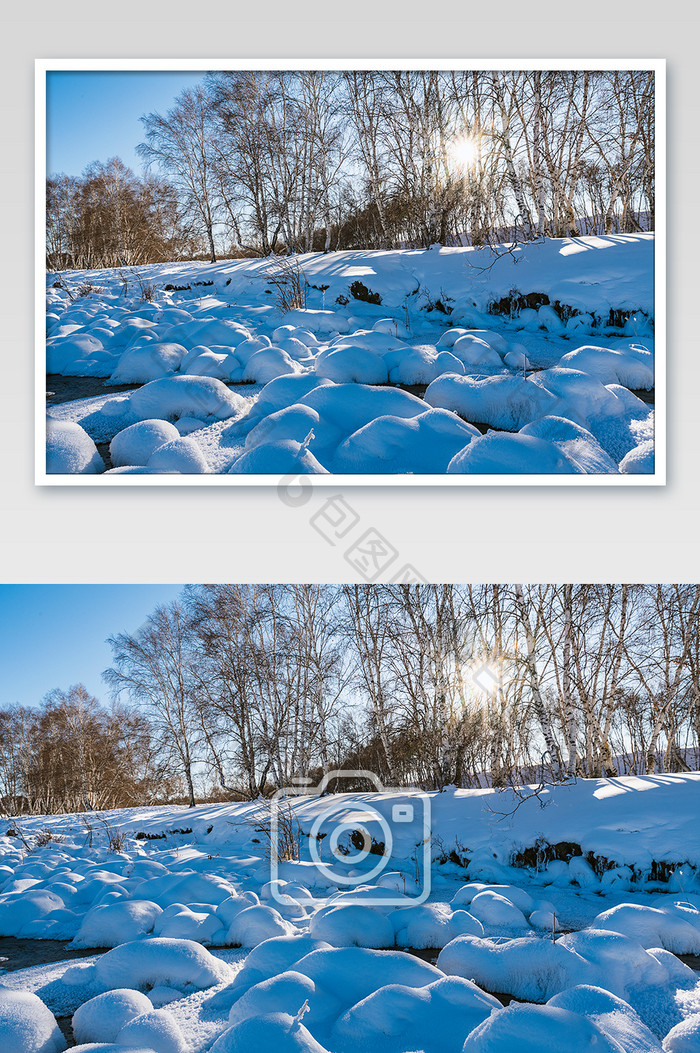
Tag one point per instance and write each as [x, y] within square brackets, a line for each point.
[181, 964]
[684, 1037]
[256, 924]
[349, 974]
[292, 422]
[345, 408]
[157, 1028]
[70, 450]
[529, 969]
[281, 457]
[497, 911]
[352, 365]
[499, 453]
[170, 398]
[285, 992]
[633, 367]
[179, 922]
[472, 351]
[273, 957]
[675, 928]
[180, 455]
[538, 1029]
[613, 1016]
[576, 443]
[435, 1019]
[432, 926]
[150, 361]
[114, 923]
[422, 444]
[412, 365]
[504, 401]
[640, 460]
[135, 444]
[267, 364]
[26, 1025]
[101, 1018]
[352, 926]
[26, 914]
[273, 1033]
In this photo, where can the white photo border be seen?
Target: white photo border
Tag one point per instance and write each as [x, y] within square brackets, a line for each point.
[44, 66]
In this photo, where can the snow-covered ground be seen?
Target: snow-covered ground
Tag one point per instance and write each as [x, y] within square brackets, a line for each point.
[209, 948]
[455, 360]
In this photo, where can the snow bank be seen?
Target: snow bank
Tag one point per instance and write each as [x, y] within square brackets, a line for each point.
[70, 450]
[26, 1025]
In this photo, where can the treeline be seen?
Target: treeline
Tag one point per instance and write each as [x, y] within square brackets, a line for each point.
[73, 755]
[238, 689]
[294, 161]
[109, 217]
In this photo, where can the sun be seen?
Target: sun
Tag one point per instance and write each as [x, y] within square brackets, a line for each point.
[463, 152]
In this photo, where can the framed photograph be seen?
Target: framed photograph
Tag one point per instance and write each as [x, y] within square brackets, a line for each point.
[357, 272]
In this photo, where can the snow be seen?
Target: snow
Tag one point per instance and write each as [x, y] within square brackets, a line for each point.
[435, 1018]
[110, 924]
[158, 1029]
[207, 355]
[70, 450]
[254, 925]
[327, 963]
[272, 1033]
[503, 401]
[147, 362]
[539, 1029]
[26, 1025]
[101, 1018]
[159, 962]
[352, 926]
[135, 444]
[676, 928]
[353, 365]
[170, 398]
[424, 444]
[684, 1037]
[523, 454]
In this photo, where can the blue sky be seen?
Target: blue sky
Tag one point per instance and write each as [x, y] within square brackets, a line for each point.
[94, 115]
[54, 635]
